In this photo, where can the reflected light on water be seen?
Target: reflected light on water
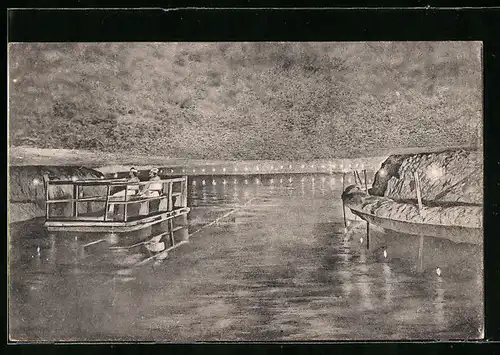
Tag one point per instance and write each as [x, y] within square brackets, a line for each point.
[388, 280]
[439, 302]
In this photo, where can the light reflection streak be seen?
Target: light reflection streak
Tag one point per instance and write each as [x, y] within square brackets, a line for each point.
[439, 302]
[388, 280]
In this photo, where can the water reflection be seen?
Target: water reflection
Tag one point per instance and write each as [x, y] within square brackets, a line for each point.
[388, 283]
[264, 263]
[439, 302]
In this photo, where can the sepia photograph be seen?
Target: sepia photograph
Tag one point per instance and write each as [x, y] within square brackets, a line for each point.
[245, 191]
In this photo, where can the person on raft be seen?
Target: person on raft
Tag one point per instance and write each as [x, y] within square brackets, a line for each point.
[153, 189]
[131, 190]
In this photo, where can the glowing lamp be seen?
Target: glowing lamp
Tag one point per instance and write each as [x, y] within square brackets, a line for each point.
[36, 182]
[361, 240]
[438, 271]
[385, 253]
[434, 172]
[213, 169]
[102, 177]
[74, 178]
[202, 170]
[223, 169]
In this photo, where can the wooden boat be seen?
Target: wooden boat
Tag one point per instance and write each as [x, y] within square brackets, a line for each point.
[92, 211]
[460, 223]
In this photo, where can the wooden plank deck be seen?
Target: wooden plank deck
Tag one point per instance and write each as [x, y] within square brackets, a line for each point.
[90, 224]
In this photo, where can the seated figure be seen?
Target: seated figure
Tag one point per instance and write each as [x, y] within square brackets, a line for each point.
[131, 190]
[153, 189]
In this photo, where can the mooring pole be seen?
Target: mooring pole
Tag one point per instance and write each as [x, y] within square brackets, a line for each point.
[366, 181]
[357, 178]
[343, 205]
[367, 235]
[421, 241]
[419, 193]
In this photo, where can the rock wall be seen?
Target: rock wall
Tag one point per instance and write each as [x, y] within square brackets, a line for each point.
[447, 176]
[27, 190]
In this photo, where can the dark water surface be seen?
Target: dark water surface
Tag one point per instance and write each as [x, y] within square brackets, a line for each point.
[277, 267]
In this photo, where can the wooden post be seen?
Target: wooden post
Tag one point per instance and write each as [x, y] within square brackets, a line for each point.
[171, 230]
[355, 176]
[125, 205]
[366, 180]
[74, 204]
[170, 207]
[343, 205]
[47, 204]
[184, 192]
[106, 206]
[417, 187]
[367, 235]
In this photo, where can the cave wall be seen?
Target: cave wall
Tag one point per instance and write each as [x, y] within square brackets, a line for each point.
[447, 176]
[27, 191]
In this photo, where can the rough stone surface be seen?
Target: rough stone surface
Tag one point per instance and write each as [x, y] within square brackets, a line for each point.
[453, 215]
[448, 176]
[27, 190]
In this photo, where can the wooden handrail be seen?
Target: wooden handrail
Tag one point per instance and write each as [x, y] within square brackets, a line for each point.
[109, 199]
[110, 182]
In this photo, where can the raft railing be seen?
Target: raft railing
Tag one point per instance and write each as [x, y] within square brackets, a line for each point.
[173, 195]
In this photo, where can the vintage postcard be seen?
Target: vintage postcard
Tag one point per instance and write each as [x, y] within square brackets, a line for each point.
[250, 191]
